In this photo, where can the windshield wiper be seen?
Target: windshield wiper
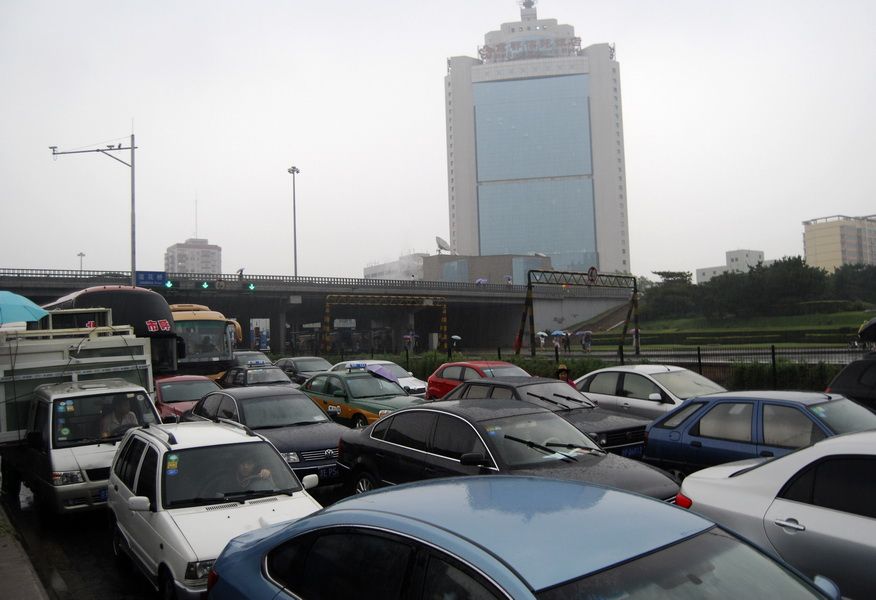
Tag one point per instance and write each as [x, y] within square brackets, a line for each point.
[571, 446]
[249, 495]
[586, 401]
[537, 446]
[560, 404]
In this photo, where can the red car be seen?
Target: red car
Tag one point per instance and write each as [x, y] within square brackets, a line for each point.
[177, 394]
[449, 375]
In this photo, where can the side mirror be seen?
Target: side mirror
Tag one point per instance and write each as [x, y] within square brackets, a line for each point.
[34, 439]
[410, 373]
[138, 503]
[830, 589]
[310, 481]
[655, 396]
[474, 459]
[339, 394]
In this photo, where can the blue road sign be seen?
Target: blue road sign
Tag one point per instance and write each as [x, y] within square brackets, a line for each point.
[151, 278]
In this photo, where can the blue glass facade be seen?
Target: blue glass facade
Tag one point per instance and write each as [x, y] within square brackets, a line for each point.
[534, 168]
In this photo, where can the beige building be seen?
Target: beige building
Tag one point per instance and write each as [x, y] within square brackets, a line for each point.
[195, 255]
[830, 242]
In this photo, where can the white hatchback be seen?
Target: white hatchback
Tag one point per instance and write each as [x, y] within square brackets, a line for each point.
[178, 493]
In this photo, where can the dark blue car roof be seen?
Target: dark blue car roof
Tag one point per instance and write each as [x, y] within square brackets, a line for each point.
[806, 398]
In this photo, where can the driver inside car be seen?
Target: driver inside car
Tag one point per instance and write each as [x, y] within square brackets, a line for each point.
[120, 418]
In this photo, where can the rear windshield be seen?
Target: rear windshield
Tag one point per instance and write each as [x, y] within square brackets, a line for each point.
[186, 391]
[85, 420]
[687, 384]
[370, 386]
[505, 371]
[844, 416]
[312, 364]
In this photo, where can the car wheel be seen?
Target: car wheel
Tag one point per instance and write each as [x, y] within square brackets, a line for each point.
[166, 588]
[364, 482]
[359, 422]
[118, 546]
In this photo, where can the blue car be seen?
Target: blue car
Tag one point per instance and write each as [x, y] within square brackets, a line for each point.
[720, 428]
[501, 537]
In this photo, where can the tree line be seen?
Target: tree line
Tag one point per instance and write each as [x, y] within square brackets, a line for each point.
[786, 287]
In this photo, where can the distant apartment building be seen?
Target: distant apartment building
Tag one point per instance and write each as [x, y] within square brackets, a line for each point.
[195, 255]
[738, 261]
[831, 242]
[535, 148]
[408, 266]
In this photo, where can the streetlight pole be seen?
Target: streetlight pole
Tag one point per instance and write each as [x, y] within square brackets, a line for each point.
[81, 255]
[106, 152]
[293, 170]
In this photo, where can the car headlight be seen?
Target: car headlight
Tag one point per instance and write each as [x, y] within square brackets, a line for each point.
[383, 413]
[601, 438]
[291, 457]
[67, 477]
[199, 570]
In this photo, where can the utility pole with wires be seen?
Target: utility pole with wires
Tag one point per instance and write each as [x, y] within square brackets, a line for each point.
[106, 152]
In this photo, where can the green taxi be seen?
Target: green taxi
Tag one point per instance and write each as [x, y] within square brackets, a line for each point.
[357, 397]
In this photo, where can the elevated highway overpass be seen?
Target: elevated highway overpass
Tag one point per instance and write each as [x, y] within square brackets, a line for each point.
[484, 316]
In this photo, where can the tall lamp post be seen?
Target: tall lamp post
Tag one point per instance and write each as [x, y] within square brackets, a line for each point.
[81, 255]
[293, 170]
[106, 152]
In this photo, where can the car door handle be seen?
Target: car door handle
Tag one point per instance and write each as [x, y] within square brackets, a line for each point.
[116, 487]
[696, 444]
[790, 524]
[766, 453]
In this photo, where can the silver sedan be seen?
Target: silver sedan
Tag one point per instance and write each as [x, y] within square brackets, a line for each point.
[814, 508]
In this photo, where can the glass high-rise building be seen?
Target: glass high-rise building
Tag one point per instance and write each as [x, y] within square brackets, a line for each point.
[535, 151]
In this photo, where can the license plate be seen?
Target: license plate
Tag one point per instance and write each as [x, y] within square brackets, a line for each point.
[326, 473]
[632, 452]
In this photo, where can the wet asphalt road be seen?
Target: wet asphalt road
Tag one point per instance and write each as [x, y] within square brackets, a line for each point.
[73, 557]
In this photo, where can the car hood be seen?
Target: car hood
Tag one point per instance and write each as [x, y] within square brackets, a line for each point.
[208, 528]
[94, 456]
[596, 420]
[610, 470]
[176, 408]
[301, 438]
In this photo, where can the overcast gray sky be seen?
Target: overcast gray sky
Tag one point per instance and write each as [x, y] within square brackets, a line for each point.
[741, 119]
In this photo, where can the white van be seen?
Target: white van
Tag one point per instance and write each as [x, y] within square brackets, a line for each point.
[73, 429]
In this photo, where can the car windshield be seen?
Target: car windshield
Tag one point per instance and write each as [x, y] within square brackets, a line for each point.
[186, 391]
[370, 386]
[536, 439]
[267, 375]
[505, 371]
[844, 416]
[312, 364]
[234, 472]
[712, 564]
[90, 419]
[281, 411]
[555, 392]
[686, 384]
[393, 369]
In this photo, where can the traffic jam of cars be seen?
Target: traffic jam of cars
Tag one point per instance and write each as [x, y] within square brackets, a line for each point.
[485, 482]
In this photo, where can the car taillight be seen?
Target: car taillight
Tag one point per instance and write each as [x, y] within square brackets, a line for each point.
[212, 578]
[683, 501]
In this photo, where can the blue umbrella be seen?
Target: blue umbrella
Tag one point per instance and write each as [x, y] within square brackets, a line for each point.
[15, 308]
[558, 333]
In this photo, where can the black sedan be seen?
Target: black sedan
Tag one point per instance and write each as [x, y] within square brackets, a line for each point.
[301, 368]
[621, 434]
[259, 374]
[305, 436]
[475, 437]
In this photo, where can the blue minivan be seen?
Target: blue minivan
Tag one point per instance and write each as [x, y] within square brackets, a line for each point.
[719, 428]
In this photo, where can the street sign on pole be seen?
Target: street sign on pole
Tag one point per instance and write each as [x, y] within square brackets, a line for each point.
[151, 278]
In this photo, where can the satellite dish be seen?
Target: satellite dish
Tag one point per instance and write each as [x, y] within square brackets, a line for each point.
[442, 244]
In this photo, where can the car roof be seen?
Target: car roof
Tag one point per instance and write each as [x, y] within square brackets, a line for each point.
[806, 398]
[481, 409]
[89, 387]
[198, 434]
[478, 363]
[181, 378]
[547, 531]
[514, 380]
[649, 369]
[262, 391]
